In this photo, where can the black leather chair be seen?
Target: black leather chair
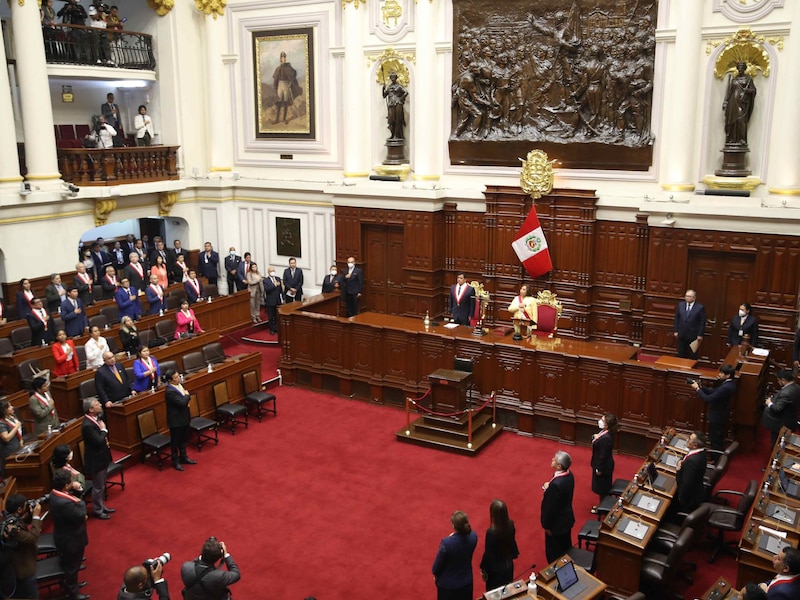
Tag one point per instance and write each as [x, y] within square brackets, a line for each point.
[155, 445]
[227, 411]
[28, 369]
[169, 365]
[214, 353]
[98, 321]
[50, 575]
[210, 290]
[193, 362]
[174, 301]
[87, 388]
[255, 395]
[723, 518]
[712, 478]
[6, 346]
[21, 337]
[58, 323]
[111, 313]
[200, 426]
[659, 570]
[166, 329]
[81, 352]
[668, 533]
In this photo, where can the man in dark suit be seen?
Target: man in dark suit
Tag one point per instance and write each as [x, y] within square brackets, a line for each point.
[193, 287]
[144, 254]
[72, 312]
[462, 295]
[293, 282]
[118, 257]
[273, 297]
[39, 322]
[242, 270]
[160, 251]
[140, 583]
[796, 352]
[109, 283]
[232, 263]
[780, 410]
[110, 110]
[353, 280]
[691, 492]
[557, 517]
[84, 282]
[55, 293]
[208, 263]
[69, 531]
[135, 272]
[96, 453]
[176, 251]
[156, 299]
[690, 324]
[101, 260]
[786, 584]
[718, 398]
[332, 281]
[111, 381]
[214, 581]
[128, 300]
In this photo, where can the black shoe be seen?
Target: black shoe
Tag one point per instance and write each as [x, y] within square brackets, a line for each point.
[177, 466]
[103, 516]
[187, 461]
[109, 510]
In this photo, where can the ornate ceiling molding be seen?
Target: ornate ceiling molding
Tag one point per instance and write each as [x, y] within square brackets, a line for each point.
[746, 11]
[215, 8]
[103, 207]
[166, 200]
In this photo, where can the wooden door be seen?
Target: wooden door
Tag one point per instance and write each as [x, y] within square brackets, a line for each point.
[383, 269]
[722, 282]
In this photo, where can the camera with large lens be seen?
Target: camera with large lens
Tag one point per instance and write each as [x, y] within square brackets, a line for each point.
[10, 527]
[32, 503]
[150, 563]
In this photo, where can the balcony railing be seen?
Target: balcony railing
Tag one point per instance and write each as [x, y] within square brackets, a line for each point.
[115, 166]
[79, 45]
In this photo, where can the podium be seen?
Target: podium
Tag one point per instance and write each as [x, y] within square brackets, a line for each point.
[449, 390]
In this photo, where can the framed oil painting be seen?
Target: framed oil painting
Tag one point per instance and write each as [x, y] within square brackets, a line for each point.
[284, 74]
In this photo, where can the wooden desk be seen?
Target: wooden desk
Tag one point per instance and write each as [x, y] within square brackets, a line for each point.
[449, 390]
[721, 590]
[121, 418]
[755, 561]
[674, 361]
[33, 470]
[548, 590]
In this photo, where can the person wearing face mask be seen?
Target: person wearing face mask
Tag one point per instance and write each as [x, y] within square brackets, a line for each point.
[744, 325]
[332, 281]
[718, 398]
[273, 297]
[603, 457]
[353, 284]
[232, 262]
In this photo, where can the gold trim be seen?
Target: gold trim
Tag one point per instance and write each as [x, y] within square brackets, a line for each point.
[747, 36]
[215, 8]
[716, 182]
[392, 56]
[32, 218]
[43, 177]
[536, 178]
[425, 177]
[103, 208]
[166, 200]
[391, 9]
[162, 7]
[784, 191]
[401, 171]
[10, 179]
[356, 2]
[220, 169]
[359, 174]
[678, 187]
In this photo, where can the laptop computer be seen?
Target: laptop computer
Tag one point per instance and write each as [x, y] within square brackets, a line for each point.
[568, 584]
[789, 487]
[656, 480]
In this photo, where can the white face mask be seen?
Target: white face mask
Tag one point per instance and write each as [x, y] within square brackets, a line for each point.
[333, 271]
[272, 273]
[742, 313]
[601, 423]
[233, 253]
[351, 265]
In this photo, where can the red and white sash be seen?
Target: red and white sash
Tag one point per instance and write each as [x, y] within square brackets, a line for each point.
[112, 279]
[195, 284]
[139, 269]
[45, 401]
[66, 496]
[86, 279]
[460, 296]
[13, 424]
[158, 290]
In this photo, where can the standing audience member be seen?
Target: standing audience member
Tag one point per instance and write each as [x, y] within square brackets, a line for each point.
[786, 584]
[208, 264]
[178, 418]
[135, 272]
[557, 517]
[159, 269]
[500, 547]
[232, 263]
[186, 321]
[55, 293]
[39, 322]
[293, 282]
[83, 281]
[603, 457]
[109, 283]
[129, 336]
[154, 293]
[96, 455]
[25, 298]
[128, 300]
[159, 251]
[202, 580]
[176, 251]
[452, 567]
[273, 297]
[353, 286]
[718, 397]
[462, 295]
[146, 371]
[29, 526]
[65, 356]
[780, 410]
[144, 127]
[110, 111]
[193, 287]
[243, 270]
[72, 313]
[691, 492]
[689, 325]
[62, 456]
[69, 531]
[111, 382]
[101, 260]
[118, 256]
[43, 407]
[253, 279]
[10, 433]
[743, 324]
[96, 346]
[179, 270]
[332, 282]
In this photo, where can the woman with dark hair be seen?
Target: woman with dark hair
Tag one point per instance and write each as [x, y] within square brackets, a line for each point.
[177, 419]
[25, 298]
[10, 433]
[43, 406]
[62, 456]
[159, 269]
[603, 457]
[743, 326]
[500, 547]
[146, 371]
[65, 356]
[186, 322]
[129, 336]
[452, 567]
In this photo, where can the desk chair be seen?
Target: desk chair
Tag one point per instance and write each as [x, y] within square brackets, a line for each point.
[166, 329]
[111, 313]
[214, 353]
[50, 575]
[200, 426]
[659, 570]
[154, 444]
[21, 337]
[725, 519]
[98, 321]
[193, 362]
[87, 389]
[116, 468]
[227, 411]
[28, 369]
[6, 346]
[255, 395]
[81, 352]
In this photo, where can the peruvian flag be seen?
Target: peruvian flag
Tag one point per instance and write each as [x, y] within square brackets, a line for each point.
[531, 247]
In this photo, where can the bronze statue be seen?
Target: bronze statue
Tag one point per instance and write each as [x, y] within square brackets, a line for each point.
[738, 106]
[395, 95]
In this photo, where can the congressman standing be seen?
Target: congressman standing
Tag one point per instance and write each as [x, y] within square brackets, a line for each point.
[111, 381]
[273, 297]
[780, 410]
[293, 282]
[462, 295]
[690, 324]
[208, 264]
[69, 531]
[718, 397]
[96, 455]
[232, 263]
[557, 517]
[353, 285]
[691, 492]
[178, 417]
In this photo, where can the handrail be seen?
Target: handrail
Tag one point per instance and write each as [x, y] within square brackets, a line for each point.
[469, 412]
[115, 166]
[83, 45]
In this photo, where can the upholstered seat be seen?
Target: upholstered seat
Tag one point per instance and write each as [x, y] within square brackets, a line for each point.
[200, 426]
[227, 411]
[255, 396]
[723, 518]
[155, 445]
[548, 310]
[193, 362]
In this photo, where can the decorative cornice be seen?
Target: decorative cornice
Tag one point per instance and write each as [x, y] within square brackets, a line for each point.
[390, 54]
[166, 200]
[356, 2]
[162, 7]
[102, 210]
[215, 8]
[744, 46]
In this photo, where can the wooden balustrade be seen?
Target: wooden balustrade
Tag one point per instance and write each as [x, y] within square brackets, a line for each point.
[115, 166]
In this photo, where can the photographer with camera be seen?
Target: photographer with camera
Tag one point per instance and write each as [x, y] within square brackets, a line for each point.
[103, 134]
[69, 531]
[141, 580]
[202, 579]
[24, 518]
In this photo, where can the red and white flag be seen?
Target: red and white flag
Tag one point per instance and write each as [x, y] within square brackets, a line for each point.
[531, 247]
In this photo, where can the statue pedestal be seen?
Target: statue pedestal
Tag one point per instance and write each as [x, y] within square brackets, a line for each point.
[395, 151]
[733, 161]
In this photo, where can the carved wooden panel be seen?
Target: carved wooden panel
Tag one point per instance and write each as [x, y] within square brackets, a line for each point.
[364, 361]
[617, 259]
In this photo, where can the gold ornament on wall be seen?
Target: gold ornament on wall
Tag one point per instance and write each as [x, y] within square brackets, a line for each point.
[162, 7]
[537, 175]
[744, 46]
[391, 9]
[391, 60]
[355, 2]
[103, 208]
[166, 200]
[211, 7]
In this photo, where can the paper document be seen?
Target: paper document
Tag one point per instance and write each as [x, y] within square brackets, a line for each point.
[694, 345]
[451, 326]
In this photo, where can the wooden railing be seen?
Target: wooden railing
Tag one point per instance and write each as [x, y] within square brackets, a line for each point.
[115, 166]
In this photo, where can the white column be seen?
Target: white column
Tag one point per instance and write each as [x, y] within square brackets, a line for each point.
[679, 125]
[356, 134]
[426, 91]
[784, 159]
[34, 89]
[9, 163]
[220, 122]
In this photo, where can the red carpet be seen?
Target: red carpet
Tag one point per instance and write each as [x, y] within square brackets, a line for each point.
[321, 500]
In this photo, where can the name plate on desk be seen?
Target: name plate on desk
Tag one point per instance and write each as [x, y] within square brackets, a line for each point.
[510, 590]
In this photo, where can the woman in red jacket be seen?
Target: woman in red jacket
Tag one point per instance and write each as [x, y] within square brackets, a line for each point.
[65, 355]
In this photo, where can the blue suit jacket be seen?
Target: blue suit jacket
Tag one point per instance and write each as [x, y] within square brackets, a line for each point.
[152, 300]
[690, 327]
[452, 566]
[74, 323]
[127, 307]
[718, 400]
[191, 294]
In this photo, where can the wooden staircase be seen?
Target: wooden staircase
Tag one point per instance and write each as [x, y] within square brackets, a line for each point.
[451, 433]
